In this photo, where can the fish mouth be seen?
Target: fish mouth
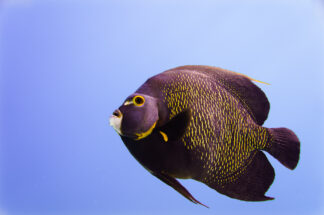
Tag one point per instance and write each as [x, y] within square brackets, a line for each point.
[115, 121]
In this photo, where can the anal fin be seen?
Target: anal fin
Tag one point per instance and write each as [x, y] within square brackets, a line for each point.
[253, 183]
[177, 186]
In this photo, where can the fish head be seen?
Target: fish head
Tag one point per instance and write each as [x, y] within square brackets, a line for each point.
[137, 117]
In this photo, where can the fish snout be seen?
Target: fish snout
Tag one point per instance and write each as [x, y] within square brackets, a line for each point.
[115, 120]
[117, 113]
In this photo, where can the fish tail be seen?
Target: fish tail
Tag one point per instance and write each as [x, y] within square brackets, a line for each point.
[284, 146]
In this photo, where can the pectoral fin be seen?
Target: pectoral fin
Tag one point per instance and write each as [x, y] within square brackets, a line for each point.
[177, 186]
[176, 127]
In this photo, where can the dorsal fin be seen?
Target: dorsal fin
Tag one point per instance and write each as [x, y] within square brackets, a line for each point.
[240, 86]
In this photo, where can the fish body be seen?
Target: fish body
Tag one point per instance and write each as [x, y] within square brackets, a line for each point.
[205, 123]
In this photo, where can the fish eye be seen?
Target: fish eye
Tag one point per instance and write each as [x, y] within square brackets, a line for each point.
[138, 100]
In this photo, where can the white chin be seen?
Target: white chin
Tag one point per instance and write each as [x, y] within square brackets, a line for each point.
[115, 122]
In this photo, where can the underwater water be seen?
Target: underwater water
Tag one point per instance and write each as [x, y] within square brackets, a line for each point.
[65, 66]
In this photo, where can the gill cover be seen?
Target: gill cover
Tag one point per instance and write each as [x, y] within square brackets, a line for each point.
[140, 115]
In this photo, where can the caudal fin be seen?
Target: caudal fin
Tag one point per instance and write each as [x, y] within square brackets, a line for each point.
[285, 146]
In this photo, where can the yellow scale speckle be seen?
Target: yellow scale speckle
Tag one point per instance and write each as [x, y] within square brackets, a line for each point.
[224, 152]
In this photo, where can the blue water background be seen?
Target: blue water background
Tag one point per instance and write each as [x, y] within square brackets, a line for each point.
[66, 65]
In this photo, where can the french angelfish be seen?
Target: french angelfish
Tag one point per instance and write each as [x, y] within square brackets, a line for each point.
[205, 123]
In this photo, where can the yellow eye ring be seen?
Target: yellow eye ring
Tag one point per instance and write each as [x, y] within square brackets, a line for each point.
[138, 100]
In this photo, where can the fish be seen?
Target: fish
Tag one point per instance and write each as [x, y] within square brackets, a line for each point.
[205, 123]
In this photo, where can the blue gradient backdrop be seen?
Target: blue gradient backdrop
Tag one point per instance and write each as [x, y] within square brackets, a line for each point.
[66, 65]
